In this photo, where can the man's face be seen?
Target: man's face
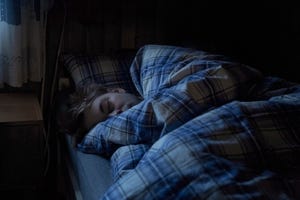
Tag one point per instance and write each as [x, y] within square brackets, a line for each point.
[109, 104]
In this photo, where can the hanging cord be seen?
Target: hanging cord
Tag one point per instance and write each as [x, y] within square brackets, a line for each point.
[52, 92]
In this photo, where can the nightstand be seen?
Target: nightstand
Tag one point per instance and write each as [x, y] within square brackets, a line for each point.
[21, 145]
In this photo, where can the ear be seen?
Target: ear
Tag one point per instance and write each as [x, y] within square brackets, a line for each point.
[116, 90]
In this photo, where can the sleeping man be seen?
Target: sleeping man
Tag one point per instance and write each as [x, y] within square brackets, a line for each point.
[205, 128]
[174, 84]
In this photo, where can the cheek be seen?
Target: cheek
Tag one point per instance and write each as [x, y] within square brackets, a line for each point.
[92, 121]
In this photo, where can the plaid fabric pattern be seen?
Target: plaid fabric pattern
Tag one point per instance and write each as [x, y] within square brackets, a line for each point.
[108, 70]
[202, 131]
[232, 150]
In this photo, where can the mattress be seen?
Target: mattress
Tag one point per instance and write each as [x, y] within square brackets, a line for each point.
[90, 174]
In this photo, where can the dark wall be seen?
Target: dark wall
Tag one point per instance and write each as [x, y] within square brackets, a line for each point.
[264, 35]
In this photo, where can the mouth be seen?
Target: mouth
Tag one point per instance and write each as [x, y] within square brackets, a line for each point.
[126, 107]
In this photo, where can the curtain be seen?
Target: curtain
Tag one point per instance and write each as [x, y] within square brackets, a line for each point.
[22, 40]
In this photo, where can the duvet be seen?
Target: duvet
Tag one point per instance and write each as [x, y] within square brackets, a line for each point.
[207, 128]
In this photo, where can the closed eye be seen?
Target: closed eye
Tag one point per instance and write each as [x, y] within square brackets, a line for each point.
[102, 107]
[105, 106]
[109, 107]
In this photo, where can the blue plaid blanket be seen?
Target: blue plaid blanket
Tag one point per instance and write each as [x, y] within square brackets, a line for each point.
[208, 128]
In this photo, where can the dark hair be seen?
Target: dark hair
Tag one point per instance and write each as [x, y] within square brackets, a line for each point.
[79, 101]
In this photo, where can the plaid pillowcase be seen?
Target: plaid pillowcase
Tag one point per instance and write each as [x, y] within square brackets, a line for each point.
[108, 70]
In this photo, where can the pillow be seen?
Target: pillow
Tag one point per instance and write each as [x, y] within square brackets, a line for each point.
[108, 70]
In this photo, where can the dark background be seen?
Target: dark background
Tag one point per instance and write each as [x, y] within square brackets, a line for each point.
[263, 34]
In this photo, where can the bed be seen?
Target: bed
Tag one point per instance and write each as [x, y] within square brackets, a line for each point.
[208, 128]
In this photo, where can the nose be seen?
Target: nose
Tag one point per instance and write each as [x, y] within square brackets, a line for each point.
[126, 107]
[119, 111]
[116, 112]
